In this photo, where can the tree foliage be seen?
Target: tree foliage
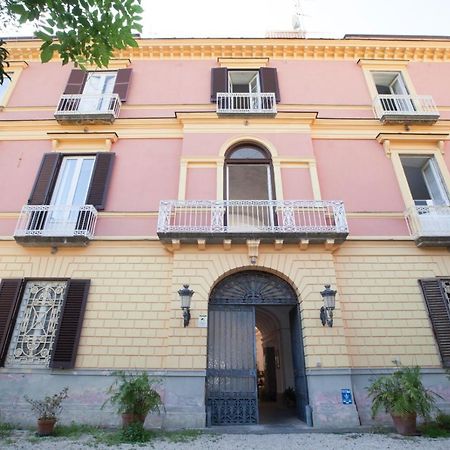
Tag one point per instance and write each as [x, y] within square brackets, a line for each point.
[81, 31]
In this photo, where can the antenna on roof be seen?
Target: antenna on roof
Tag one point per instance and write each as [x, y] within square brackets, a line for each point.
[297, 19]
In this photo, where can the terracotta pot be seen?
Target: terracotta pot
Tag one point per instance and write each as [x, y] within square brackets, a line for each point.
[405, 425]
[46, 426]
[129, 418]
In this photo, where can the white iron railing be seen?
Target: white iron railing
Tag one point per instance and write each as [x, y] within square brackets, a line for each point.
[56, 221]
[88, 105]
[428, 220]
[246, 103]
[265, 216]
[405, 105]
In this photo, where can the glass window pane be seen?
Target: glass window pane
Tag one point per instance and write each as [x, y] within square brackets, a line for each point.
[248, 153]
[248, 182]
[83, 181]
[62, 194]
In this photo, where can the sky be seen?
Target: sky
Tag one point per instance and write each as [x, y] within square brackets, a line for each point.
[322, 18]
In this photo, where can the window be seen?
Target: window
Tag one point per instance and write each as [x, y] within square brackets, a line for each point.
[424, 180]
[392, 89]
[97, 90]
[93, 96]
[67, 193]
[436, 292]
[262, 80]
[40, 322]
[249, 187]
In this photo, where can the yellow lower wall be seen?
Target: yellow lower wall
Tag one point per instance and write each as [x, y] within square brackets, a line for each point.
[133, 317]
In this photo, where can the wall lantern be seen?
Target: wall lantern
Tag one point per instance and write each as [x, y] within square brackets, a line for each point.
[329, 303]
[185, 298]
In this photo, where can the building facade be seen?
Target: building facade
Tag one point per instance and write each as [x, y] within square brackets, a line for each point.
[255, 171]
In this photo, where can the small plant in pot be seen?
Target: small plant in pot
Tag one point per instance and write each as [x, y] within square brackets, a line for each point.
[47, 411]
[404, 397]
[134, 397]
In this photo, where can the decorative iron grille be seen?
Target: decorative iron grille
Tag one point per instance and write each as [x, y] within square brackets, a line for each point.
[37, 322]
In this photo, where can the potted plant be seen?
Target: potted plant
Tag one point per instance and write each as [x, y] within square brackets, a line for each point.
[134, 397]
[403, 396]
[47, 411]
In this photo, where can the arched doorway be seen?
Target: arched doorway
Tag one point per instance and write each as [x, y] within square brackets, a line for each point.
[237, 304]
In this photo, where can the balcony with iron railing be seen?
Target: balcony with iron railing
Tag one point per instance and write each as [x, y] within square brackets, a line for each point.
[429, 225]
[83, 108]
[405, 108]
[56, 225]
[260, 103]
[238, 220]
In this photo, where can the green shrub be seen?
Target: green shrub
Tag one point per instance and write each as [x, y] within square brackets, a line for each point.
[402, 393]
[133, 394]
[443, 420]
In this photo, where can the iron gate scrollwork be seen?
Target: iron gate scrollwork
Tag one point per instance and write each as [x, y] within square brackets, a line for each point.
[231, 383]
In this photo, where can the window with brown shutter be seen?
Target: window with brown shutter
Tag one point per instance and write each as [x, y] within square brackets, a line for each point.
[221, 77]
[436, 292]
[9, 301]
[100, 180]
[24, 304]
[77, 81]
[45, 179]
[48, 172]
[69, 330]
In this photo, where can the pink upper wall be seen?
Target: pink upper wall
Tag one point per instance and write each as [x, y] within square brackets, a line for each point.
[359, 173]
[296, 184]
[145, 171]
[208, 145]
[188, 83]
[326, 82]
[19, 162]
[201, 183]
[431, 78]
[40, 85]
[175, 82]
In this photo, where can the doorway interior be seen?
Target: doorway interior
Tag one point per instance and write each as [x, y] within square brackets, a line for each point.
[256, 369]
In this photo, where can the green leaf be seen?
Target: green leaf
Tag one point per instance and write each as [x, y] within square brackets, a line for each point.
[46, 54]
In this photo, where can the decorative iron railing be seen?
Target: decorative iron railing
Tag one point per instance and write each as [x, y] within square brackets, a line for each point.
[405, 105]
[246, 103]
[56, 221]
[262, 216]
[428, 220]
[82, 105]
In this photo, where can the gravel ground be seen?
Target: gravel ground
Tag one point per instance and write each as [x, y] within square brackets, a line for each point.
[314, 441]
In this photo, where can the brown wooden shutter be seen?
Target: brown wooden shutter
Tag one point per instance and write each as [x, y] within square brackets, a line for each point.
[269, 81]
[70, 323]
[100, 180]
[9, 306]
[76, 81]
[439, 313]
[219, 81]
[45, 179]
[122, 84]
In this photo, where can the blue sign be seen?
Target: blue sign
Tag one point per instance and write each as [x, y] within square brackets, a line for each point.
[346, 396]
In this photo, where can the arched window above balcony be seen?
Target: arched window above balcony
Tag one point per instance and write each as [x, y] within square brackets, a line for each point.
[248, 173]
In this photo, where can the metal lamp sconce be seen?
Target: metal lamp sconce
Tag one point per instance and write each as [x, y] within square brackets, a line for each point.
[185, 297]
[329, 303]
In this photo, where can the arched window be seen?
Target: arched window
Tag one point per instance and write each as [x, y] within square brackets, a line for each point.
[248, 173]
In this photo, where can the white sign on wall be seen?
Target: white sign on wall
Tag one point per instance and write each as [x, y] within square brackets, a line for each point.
[202, 321]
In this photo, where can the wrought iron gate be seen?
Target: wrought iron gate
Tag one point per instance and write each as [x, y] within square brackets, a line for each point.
[231, 382]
